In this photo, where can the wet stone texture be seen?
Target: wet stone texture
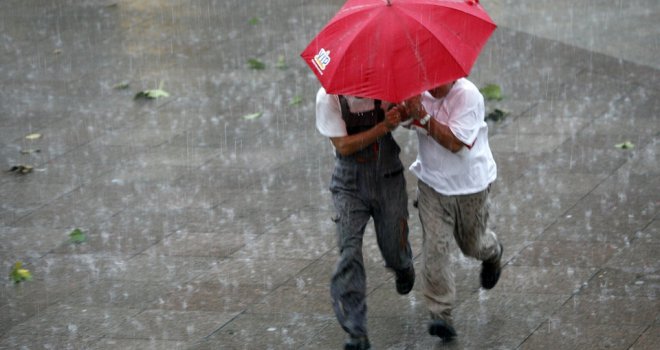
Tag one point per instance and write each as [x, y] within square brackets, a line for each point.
[207, 230]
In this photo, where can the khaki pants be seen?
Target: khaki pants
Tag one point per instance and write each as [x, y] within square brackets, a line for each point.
[463, 217]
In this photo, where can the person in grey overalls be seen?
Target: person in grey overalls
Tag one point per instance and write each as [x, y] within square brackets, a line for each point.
[367, 182]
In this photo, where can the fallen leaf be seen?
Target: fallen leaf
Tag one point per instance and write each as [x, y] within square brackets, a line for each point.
[252, 116]
[295, 101]
[491, 92]
[21, 169]
[625, 145]
[30, 151]
[34, 136]
[152, 94]
[281, 64]
[254, 21]
[157, 93]
[254, 63]
[77, 236]
[18, 274]
[496, 115]
[121, 86]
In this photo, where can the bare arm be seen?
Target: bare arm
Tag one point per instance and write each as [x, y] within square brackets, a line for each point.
[441, 133]
[347, 145]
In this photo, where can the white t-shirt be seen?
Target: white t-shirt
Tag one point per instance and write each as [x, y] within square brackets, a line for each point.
[329, 121]
[469, 170]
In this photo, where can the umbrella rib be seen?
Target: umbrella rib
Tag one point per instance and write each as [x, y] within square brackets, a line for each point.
[416, 52]
[436, 3]
[356, 31]
[448, 30]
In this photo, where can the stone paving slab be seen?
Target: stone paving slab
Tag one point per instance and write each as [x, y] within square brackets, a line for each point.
[206, 230]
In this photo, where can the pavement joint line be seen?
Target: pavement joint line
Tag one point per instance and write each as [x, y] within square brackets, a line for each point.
[588, 63]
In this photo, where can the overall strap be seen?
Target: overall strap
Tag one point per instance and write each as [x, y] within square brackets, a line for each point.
[360, 121]
[345, 109]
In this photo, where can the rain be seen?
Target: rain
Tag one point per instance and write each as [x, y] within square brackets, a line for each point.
[164, 185]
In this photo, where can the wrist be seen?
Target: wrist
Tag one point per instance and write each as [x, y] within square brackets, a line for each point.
[425, 120]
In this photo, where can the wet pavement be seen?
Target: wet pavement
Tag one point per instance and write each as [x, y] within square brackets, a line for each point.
[209, 230]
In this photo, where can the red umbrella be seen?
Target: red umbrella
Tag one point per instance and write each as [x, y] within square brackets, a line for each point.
[395, 49]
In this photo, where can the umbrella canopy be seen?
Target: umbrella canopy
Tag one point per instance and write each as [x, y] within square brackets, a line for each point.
[395, 49]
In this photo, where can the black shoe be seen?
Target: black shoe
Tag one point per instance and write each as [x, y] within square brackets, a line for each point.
[442, 329]
[357, 343]
[405, 280]
[491, 270]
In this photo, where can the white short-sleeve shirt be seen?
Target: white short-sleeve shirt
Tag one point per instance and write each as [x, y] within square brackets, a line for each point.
[329, 121]
[469, 170]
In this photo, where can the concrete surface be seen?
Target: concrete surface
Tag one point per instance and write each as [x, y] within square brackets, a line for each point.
[206, 230]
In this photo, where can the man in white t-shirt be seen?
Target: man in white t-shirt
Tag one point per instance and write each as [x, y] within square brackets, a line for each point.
[367, 182]
[455, 168]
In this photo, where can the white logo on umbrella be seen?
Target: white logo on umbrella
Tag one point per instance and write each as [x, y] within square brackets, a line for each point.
[321, 60]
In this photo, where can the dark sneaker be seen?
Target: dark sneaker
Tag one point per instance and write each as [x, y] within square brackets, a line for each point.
[357, 343]
[405, 280]
[491, 270]
[442, 329]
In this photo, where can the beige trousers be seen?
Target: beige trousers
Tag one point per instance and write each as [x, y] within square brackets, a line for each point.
[465, 219]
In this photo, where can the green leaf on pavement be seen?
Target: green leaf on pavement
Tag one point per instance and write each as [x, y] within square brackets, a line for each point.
[77, 236]
[252, 116]
[33, 136]
[18, 274]
[21, 169]
[625, 145]
[254, 21]
[496, 115]
[491, 92]
[295, 101]
[255, 64]
[152, 94]
[281, 64]
[121, 86]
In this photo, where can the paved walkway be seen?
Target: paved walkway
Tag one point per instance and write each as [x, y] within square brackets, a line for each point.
[207, 230]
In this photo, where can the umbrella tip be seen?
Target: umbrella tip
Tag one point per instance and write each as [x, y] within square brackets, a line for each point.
[389, 3]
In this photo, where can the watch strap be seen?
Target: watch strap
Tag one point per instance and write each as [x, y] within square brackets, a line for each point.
[425, 120]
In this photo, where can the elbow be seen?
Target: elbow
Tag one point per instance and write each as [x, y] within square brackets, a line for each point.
[344, 150]
[342, 146]
[455, 147]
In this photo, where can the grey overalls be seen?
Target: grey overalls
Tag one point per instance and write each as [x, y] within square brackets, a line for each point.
[368, 183]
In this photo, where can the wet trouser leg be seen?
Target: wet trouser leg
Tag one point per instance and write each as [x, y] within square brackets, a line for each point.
[357, 198]
[391, 222]
[463, 217]
[348, 284]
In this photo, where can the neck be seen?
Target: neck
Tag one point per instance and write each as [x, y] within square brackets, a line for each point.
[442, 91]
